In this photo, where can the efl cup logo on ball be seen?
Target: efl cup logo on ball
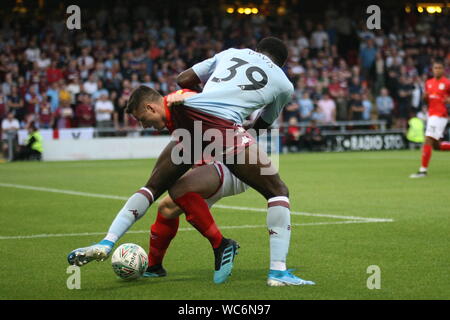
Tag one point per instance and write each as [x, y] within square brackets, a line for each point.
[129, 261]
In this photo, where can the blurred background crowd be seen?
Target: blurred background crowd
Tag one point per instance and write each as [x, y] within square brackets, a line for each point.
[341, 71]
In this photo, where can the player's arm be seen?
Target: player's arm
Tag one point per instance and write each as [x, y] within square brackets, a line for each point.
[199, 73]
[188, 79]
[270, 112]
[256, 124]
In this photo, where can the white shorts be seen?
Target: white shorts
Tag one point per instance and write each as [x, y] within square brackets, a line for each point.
[435, 127]
[229, 184]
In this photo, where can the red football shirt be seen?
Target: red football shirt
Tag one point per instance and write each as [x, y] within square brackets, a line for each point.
[438, 91]
[169, 123]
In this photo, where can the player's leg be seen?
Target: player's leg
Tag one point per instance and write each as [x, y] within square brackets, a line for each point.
[166, 224]
[444, 146]
[165, 227]
[263, 177]
[434, 132]
[189, 194]
[162, 231]
[164, 174]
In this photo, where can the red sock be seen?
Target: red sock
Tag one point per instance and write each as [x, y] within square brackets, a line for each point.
[444, 146]
[161, 233]
[199, 216]
[426, 155]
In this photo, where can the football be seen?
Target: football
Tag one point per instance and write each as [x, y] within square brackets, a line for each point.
[129, 261]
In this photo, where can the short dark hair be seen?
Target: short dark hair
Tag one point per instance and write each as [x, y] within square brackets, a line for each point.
[439, 61]
[32, 125]
[275, 48]
[141, 94]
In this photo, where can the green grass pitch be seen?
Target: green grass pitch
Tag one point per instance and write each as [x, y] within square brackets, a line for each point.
[412, 251]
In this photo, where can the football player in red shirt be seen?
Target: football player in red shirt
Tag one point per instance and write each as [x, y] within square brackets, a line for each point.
[437, 95]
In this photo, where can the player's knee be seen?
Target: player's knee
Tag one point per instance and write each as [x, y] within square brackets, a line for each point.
[283, 190]
[166, 210]
[278, 189]
[181, 188]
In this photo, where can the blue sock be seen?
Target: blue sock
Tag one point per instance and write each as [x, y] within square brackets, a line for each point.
[107, 243]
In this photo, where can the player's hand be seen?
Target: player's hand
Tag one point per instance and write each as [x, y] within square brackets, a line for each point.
[248, 124]
[178, 98]
[175, 98]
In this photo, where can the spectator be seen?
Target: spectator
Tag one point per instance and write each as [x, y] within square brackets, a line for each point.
[32, 52]
[368, 56]
[72, 71]
[356, 108]
[335, 87]
[3, 105]
[91, 85]
[53, 94]
[404, 101]
[302, 41]
[379, 72]
[43, 62]
[15, 104]
[32, 100]
[416, 131]
[45, 115]
[385, 106]
[131, 125]
[367, 105]
[100, 90]
[341, 106]
[355, 86]
[135, 81]
[317, 115]
[313, 139]
[306, 107]
[293, 135]
[64, 115]
[65, 96]
[54, 74]
[327, 106]
[319, 38]
[417, 95]
[103, 112]
[85, 63]
[34, 147]
[292, 110]
[7, 84]
[10, 127]
[148, 81]
[74, 88]
[84, 112]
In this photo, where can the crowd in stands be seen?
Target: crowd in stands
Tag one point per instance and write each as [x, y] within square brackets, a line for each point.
[340, 70]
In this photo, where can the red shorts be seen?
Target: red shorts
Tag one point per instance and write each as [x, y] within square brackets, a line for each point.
[207, 133]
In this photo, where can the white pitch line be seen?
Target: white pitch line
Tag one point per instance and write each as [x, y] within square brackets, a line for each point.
[58, 235]
[323, 215]
[220, 206]
[71, 192]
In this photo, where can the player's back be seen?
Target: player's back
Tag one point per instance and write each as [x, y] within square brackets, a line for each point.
[239, 81]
